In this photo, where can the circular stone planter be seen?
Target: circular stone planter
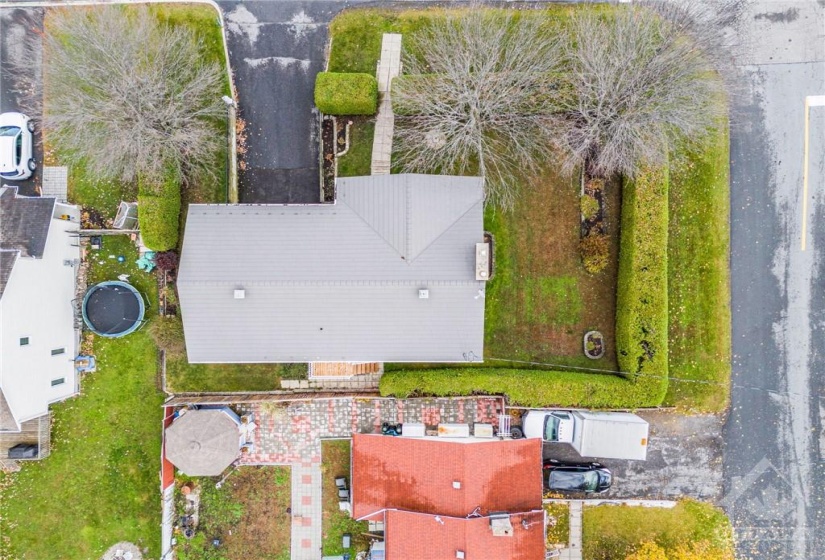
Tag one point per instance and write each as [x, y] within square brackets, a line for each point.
[593, 345]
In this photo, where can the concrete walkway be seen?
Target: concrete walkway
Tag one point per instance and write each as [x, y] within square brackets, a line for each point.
[291, 435]
[574, 549]
[388, 68]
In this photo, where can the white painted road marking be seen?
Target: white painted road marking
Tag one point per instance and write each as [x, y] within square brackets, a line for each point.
[810, 101]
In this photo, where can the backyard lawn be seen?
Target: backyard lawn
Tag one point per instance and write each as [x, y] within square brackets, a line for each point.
[335, 461]
[248, 514]
[100, 483]
[612, 532]
[183, 377]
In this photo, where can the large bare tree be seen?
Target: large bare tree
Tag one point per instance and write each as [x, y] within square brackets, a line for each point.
[129, 96]
[479, 99]
[642, 79]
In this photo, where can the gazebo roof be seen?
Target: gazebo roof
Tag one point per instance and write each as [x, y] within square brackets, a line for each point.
[203, 442]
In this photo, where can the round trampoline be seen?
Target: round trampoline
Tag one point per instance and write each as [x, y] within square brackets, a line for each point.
[113, 309]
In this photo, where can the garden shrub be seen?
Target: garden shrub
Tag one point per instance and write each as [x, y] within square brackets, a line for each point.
[167, 332]
[346, 94]
[589, 207]
[159, 207]
[166, 261]
[642, 299]
[526, 387]
[595, 251]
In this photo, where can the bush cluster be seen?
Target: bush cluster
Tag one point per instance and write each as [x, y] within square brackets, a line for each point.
[346, 94]
[159, 212]
[595, 251]
[167, 332]
[642, 300]
[589, 207]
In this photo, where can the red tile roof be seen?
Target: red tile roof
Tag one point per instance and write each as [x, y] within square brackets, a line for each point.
[421, 537]
[418, 474]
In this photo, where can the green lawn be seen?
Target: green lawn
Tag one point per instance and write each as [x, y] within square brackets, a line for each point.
[558, 523]
[100, 483]
[699, 276]
[357, 161]
[335, 461]
[182, 376]
[248, 514]
[612, 532]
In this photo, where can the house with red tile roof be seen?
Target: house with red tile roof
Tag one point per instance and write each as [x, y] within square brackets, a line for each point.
[445, 498]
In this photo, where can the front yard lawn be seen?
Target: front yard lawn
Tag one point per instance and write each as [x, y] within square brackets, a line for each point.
[248, 514]
[357, 162]
[558, 523]
[335, 461]
[183, 377]
[699, 276]
[100, 483]
[88, 190]
[613, 532]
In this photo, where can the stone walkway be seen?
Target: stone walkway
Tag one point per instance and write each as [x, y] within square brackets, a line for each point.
[389, 66]
[291, 435]
[574, 550]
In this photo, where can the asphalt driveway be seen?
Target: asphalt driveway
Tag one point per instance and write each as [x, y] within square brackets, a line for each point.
[276, 49]
[21, 91]
[684, 458]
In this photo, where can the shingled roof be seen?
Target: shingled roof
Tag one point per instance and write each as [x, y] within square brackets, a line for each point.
[24, 227]
[338, 282]
[428, 537]
[420, 474]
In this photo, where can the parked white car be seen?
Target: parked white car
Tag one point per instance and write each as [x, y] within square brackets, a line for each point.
[16, 155]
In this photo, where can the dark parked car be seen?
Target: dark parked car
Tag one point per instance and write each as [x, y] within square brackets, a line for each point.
[576, 477]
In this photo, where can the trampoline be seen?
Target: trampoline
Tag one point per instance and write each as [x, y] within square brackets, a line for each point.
[113, 309]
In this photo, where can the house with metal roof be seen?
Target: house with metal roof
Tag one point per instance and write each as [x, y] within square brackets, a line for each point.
[393, 271]
[39, 254]
[434, 497]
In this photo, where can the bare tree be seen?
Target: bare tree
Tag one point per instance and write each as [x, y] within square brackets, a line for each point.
[128, 95]
[640, 83]
[479, 98]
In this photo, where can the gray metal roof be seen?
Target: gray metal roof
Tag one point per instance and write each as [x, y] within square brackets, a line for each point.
[24, 227]
[338, 282]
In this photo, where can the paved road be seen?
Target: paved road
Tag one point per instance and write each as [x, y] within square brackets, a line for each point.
[276, 49]
[17, 26]
[773, 469]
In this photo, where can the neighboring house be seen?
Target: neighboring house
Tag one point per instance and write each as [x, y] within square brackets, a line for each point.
[387, 273]
[39, 256]
[438, 497]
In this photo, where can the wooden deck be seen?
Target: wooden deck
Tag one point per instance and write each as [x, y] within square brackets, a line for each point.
[342, 369]
[37, 431]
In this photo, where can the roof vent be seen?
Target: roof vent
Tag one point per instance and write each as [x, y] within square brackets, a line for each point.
[459, 554]
[500, 525]
[423, 293]
[482, 261]
[240, 293]
[457, 484]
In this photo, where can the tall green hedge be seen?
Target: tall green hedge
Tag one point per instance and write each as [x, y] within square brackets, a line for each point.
[159, 206]
[527, 387]
[346, 94]
[641, 306]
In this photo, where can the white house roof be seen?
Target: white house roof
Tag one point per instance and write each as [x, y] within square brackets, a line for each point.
[338, 282]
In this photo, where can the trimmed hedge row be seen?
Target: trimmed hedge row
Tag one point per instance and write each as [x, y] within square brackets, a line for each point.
[159, 213]
[526, 387]
[641, 301]
[346, 94]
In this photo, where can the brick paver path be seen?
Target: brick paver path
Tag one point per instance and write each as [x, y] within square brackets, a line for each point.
[291, 435]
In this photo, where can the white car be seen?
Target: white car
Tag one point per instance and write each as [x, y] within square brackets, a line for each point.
[16, 155]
